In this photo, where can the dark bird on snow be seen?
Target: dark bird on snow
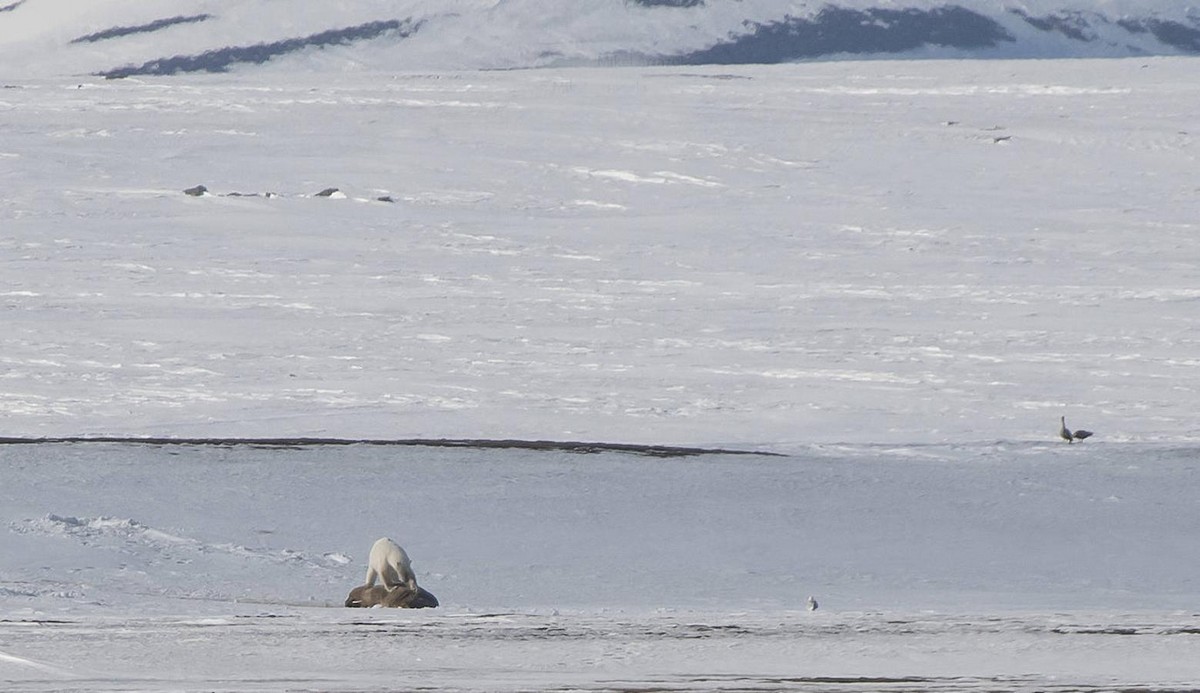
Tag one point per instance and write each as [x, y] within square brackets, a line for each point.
[1067, 435]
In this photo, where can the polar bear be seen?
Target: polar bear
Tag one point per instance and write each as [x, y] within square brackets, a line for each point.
[390, 564]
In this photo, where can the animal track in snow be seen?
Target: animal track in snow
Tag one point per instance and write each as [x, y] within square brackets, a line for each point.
[127, 534]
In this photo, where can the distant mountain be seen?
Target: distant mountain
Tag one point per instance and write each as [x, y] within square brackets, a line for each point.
[118, 38]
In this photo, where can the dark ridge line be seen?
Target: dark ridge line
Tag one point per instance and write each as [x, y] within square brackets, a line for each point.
[220, 59]
[11, 7]
[1072, 24]
[157, 24]
[476, 443]
[669, 3]
[1175, 34]
[835, 30]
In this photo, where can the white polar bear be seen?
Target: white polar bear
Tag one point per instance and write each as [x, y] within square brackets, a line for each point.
[389, 563]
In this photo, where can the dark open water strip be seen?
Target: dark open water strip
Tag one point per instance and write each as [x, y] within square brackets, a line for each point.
[475, 443]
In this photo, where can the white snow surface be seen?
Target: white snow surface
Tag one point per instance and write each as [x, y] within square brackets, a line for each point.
[840, 252]
[897, 274]
[1000, 567]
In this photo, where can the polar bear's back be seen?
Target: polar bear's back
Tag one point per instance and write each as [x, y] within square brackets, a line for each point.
[390, 563]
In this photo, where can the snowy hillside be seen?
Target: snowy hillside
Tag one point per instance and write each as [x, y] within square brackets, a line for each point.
[125, 37]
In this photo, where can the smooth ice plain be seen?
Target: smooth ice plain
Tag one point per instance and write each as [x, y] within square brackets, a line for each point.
[898, 275]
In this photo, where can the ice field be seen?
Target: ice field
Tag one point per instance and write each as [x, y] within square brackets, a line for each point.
[1003, 567]
[843, 252]
[895, 275]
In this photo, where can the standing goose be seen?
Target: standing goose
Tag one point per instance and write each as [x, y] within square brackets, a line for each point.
[1066, 434]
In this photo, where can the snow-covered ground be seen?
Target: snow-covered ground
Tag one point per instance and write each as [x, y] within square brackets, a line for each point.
[897, 274]
[977, 567]
[846, 252]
